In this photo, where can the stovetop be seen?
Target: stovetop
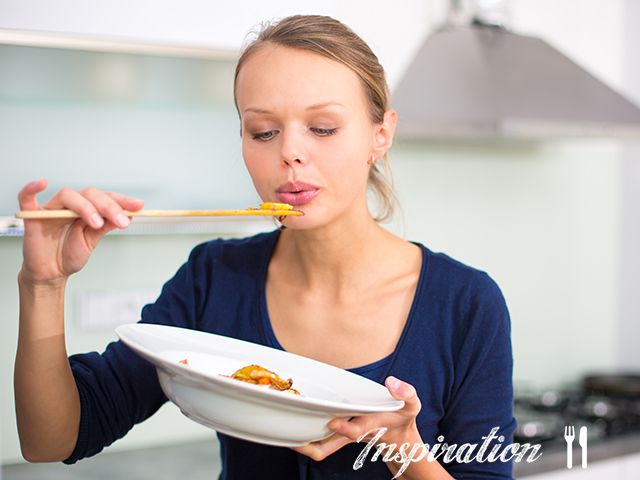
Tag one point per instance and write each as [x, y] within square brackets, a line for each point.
[543, 415]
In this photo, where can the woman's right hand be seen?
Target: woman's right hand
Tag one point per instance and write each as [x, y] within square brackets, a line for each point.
[46, 397]
[54, 249]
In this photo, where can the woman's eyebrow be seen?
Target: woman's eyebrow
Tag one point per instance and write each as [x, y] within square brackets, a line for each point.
[257, 110]
[316, 106]
[319, 106]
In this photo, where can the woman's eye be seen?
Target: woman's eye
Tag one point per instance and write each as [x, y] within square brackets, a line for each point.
[325, 132]
[264, 135]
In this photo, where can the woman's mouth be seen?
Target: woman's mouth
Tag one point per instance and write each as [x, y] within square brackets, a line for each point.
[296, 193]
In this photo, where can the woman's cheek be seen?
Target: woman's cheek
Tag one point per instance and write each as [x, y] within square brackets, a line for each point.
[349, 171]
[257, 175]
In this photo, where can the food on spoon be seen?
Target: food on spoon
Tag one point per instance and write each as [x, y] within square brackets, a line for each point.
[276, 206]
[261, 376]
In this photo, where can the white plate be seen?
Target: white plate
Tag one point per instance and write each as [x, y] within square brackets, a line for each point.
[247, 411]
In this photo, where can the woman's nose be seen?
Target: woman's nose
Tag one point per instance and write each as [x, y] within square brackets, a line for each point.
[293, 151]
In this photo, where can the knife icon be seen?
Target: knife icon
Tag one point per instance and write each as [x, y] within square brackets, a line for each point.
[582, 440]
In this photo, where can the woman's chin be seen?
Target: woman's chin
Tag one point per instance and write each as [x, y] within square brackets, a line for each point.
[311, 219]
[298, 223]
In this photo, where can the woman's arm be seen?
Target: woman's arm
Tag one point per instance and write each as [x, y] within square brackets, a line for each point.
[47, 401]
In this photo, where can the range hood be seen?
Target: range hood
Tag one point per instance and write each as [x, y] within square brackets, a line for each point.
[483, 81]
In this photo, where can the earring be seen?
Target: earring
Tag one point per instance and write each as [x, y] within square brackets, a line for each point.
[373, 159]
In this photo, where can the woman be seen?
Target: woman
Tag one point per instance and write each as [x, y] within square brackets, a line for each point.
[333, 285]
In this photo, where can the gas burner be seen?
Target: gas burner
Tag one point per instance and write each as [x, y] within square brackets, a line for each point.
[607, 405]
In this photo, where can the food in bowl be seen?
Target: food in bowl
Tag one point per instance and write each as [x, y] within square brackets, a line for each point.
[258, 375]
[261, 376]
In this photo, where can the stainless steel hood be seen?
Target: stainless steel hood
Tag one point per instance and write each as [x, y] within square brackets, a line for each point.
[482, 81]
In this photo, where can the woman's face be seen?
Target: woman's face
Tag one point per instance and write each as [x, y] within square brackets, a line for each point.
[306, 133]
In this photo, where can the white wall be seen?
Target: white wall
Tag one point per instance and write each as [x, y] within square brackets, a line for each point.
[629, 326]
[543, 219]
[590, 32]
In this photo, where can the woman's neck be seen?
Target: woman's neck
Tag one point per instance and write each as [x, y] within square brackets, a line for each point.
[338, 256]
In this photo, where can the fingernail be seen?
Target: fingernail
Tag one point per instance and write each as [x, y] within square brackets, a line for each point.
[122, 220]
[96, 220]
[394, 383]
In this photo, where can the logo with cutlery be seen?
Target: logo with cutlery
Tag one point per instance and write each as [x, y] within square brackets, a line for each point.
[569, 436]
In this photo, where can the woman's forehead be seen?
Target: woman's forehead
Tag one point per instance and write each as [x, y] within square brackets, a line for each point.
[281, 73]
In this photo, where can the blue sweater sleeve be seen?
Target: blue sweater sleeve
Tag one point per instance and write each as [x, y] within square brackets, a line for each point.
[480, 397]
[119, 389]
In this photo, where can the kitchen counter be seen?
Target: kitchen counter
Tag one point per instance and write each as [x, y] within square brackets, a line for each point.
[192, 461]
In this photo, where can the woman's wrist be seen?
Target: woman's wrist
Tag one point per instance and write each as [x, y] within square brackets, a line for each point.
[40, 288]
[41, 308]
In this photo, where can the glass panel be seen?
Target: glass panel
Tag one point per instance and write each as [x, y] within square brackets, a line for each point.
[158, 128]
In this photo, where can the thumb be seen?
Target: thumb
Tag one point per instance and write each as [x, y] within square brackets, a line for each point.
[399, 389]
[27, 196]
[406, 392]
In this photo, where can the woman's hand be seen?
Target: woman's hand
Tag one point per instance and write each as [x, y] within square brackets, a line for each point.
[400, 428]
[400, 425]
[54, 249]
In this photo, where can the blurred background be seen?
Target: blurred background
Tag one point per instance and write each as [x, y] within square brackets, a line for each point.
[135, 96]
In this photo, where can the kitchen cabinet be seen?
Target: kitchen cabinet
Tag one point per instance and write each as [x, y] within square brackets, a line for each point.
[160, 128]
[211, 24]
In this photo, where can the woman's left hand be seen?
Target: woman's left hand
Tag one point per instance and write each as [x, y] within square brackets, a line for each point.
[401, 425]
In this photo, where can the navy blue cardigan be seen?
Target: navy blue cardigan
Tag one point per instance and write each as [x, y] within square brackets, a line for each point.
[455, 350]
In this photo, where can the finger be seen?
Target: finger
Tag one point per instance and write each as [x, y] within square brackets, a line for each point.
[93, 236]
[70, 199]
[127, 203]
[366, 426]
[107, 206]
[357, 428]
[27, 196]
[111, 205]
[322, 449]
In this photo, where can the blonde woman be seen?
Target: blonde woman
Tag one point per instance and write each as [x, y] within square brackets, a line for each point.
[332, 285]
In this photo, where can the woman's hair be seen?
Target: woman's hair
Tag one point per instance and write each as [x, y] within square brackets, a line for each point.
[332, 39]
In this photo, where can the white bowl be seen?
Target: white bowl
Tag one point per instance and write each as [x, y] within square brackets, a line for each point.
[247, 411]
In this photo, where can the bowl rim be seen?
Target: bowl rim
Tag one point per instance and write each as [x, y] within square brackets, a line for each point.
[204, 379]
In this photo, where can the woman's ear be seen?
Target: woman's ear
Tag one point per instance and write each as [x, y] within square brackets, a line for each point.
[383, 136]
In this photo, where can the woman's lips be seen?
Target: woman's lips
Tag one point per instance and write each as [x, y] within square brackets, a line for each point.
[297, 198]
[296, 193]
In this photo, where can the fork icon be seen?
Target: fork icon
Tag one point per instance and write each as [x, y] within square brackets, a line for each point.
[569, 435]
